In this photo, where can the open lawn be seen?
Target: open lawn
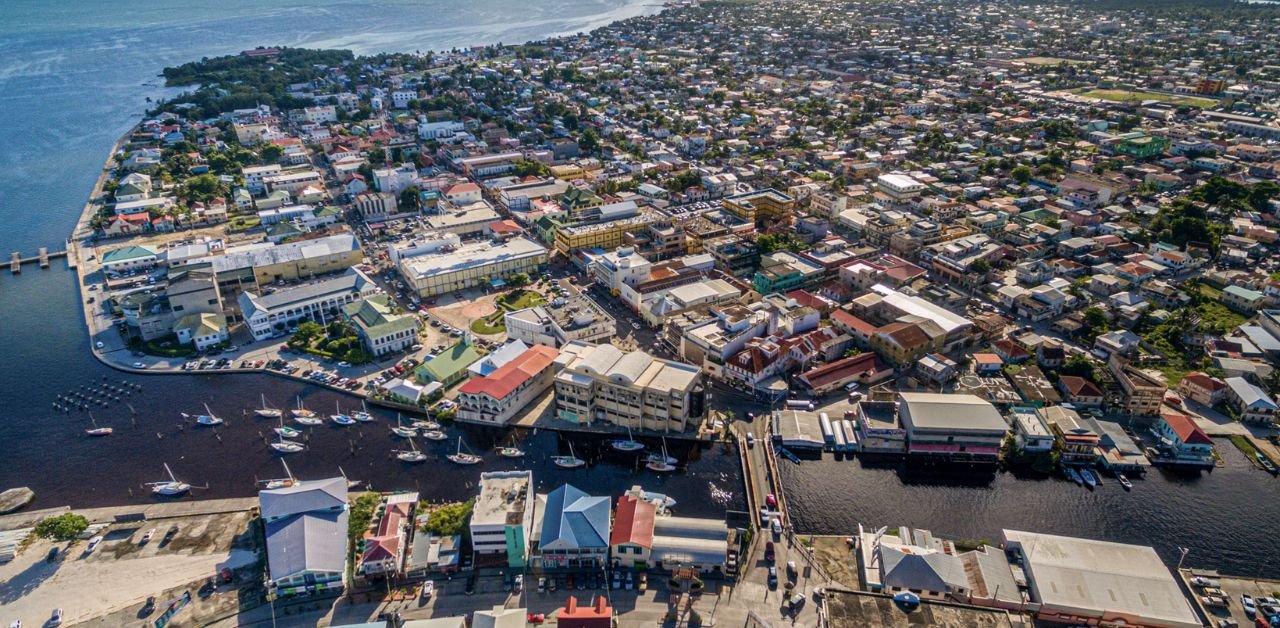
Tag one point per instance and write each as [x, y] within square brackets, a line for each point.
[1122, 95]
[509, 302]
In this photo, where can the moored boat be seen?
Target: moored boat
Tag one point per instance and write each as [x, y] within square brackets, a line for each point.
[1073, 475]
[208, 418]
[1088, 478]
[402, 431]
[510, 452]
[568, 462]
[1124, 481]
[436, 435]
[412, 454]
[1266, 463]
[287, 446]
[303, 415]
[459, 457]
[267, 412]
[169, 488]
[627, 445]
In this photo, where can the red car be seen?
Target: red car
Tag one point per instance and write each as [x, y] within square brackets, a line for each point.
[535, 618]
[226, 575]
[768, 551]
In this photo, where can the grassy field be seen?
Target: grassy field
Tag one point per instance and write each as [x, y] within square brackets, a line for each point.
[1122, 95]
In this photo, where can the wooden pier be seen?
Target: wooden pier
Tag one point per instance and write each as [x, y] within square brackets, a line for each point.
[42, 257]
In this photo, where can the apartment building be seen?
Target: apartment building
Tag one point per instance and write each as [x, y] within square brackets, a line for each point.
[1143, 393]
[502, 517]
[498, 397]
[760, 206]
[636, 390]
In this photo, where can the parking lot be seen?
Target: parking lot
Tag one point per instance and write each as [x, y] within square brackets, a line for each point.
[1223, 598]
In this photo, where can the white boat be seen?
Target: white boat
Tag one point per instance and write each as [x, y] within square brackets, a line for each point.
[568, 462]
[511, 451]
[285, 431]
[1124, 481]
[661, 459]
[424, 425]
[461, 458]
[350, 482]
[1088, 478]
[170, 487]
[402, 431]
[95, 430]
[412, 454]
[657, 499]
[283, 482]
[208, 418]
[287, 446]
[267, 412]
[340, 418]
[627, 445]
[305, 416]
[436, 435]
[362, 415]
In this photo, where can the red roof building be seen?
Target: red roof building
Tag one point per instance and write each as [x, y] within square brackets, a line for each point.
[1187, 431]
[632, 536]
[497, 397]
[598, 615]
[865, 368]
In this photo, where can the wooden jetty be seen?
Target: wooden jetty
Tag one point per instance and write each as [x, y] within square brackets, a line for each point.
[42, 257]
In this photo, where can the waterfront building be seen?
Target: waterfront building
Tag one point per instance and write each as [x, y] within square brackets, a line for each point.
[631, 540]
[306, 536]
[961, 428]
[128, 258]
[381, 330]
[1096, 583]
[259, 265]
[201, 330]
[471, 265]
[912, 560]
[634, 389]
[449, 366]
[1076, 441]
[272, 314]
[573, 530]
[1031, 434]
[496, 398]
[1252, 403]
[564, 320]
[386, 545]
[1183, 441]
[502, 518]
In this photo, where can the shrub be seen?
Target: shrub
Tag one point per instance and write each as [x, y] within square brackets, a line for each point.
[63, 527]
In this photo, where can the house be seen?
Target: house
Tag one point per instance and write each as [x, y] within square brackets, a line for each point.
[937, 368]
[1252, 402]
[631, 541]
[1184, 441]
[1031, 435]
[901, 344]
[127, 258]
[449, 366]
[1120, 342]
[987, 364]
[381, 331]
[573, 530]
[1244, 300]
[306, 536]
[1010, 351]
[1075, 440]
[1202, 388]
[202, 330]
[386, 545]
[1080, 392]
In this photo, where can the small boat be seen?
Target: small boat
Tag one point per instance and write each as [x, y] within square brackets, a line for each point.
[350, 482]
[1124, 481]
[363, 415]
[1089, 480]
[1073, 475]
[510, 452]
[461, 458]
[283, 482]
[267, 412]
[287, 446]
[661, 460]
[658, 499]
[285, 431]
[627, 445]
[95, 430]
[659, 465]
[436, 435]
[412, 454]
[568, 462]
[1266, 463]
[205, 419]
[305, 416]
[402, 431]
[424, 425]
[170, 487]
[340, 418]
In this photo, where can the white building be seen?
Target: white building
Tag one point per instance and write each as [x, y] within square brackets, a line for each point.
[471, 265]
[561, 321]
[496, 398]
[502, 518]
[271, 315]
[636, 390]
[395, 180]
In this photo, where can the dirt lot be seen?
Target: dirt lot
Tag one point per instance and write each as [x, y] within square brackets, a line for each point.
[837, 559]
[122, 572]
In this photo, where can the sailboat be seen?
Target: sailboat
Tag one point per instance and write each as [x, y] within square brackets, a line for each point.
[436, 435]
[511, 451]
[170, 487]
[412, 454]
[283, 482]
[568, 462]
[340, 418]
[424, 425]
[267, 412]
[350, 482]
[401, 430]
[287, 446]
[628, 445]
[205, 419]
[286, 431]
[461, 458]
[362, 415]
[661, 463]
[305, 416]
[95, 430]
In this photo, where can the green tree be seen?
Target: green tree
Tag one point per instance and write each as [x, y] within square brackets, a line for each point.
[63, 527]
[590, 141]
[1078, 365]
[409, 198]
[271, 153]
[1021, 174]
[449, 520]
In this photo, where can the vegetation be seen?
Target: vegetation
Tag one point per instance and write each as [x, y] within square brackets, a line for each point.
[338, 341]
[1127, 95]
[361, 513]
[242, 82]
[1242, 443]
[449, 520]
[64, 527]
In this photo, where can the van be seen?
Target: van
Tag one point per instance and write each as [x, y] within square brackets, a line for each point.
[851, 386]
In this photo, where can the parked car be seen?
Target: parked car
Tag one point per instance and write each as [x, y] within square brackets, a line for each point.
[773, 576]
[768, 551]
[535, 618]
[542, 585]
[55, 619]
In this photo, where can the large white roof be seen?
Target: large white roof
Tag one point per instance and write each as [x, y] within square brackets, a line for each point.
[946, 319]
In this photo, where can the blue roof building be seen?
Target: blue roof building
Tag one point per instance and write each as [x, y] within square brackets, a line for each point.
[306, 531]
[574, 529]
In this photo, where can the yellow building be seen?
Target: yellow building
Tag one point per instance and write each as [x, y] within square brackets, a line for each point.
[760, 206]
[602, 235]
[568, 172]
[471, 265]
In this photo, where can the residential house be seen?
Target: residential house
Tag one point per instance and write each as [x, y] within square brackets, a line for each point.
[1183, 441]
[386, 545]
[202, 330]
[1080, 392]
[1252, 402]
[1202, 388]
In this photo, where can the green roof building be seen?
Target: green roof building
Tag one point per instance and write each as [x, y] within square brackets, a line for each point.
[450, 366]
[381, 330]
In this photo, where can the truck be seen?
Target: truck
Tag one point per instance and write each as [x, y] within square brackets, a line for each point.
[800, 404]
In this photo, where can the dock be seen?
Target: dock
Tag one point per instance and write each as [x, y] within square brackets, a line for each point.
[42, 257]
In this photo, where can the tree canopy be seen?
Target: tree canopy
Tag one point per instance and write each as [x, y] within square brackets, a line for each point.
[63, 527]
[449, 520]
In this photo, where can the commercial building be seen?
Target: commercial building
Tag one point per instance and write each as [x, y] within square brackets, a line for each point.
[635, 389]
[381, 330]
[306, 536]
[760, 206]
[449, 366]
[201, 330]
[129, 258]
[471, 265]
[960, 428]
[498, 397]
[502, 517]
[1096, 583]
[631, 541]
[864, 368]
[263, 264]
[573, 529]
[273, 314]
[1076, 440]
[564, 320]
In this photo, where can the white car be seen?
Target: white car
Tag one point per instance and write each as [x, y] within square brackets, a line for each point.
[344, 365]
[99, 344]
[139, 365]
[93, 544]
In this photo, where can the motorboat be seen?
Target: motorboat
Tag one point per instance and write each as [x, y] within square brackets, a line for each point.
[435, 435]
[568, 462]
[1124, 481]
[1265, 462]
[628, 444]
[402, 431]
[464, 458]
[267, 412]
[1088, 478]
[169, 488]
[412, 454]
[1073, 475]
